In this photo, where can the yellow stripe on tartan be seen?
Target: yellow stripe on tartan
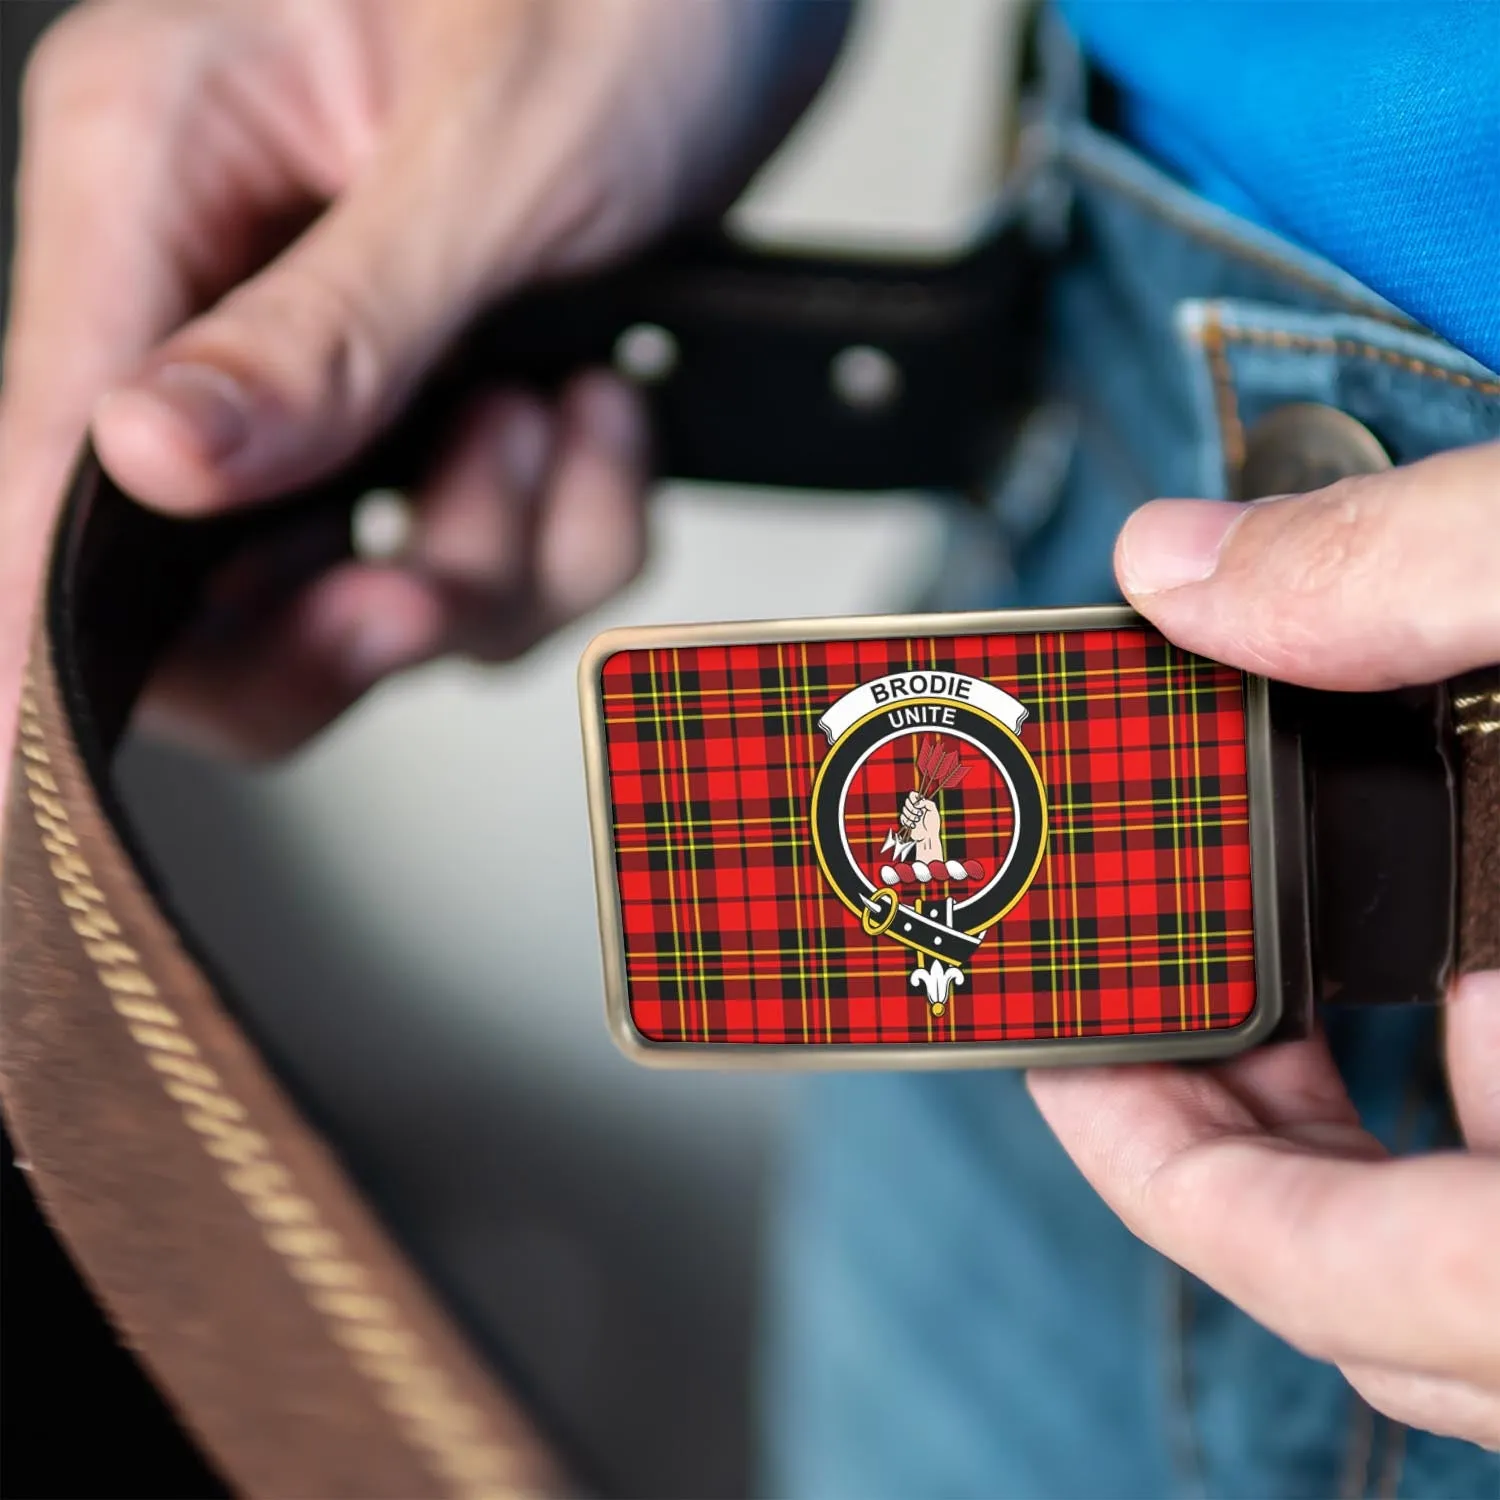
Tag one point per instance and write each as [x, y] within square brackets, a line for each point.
[791, 797]
[1194, 679]
[1175, 803]
[1049, 791]
[1070, 835]
[817, 914]
[1045, 698]
[875, 971]
[661, 771]
[1143, 670]
[1123, 940]
[835, 691]
[1188, 800]
[879, 820]
[927, 1016]
[692, 855]
[1192, 841]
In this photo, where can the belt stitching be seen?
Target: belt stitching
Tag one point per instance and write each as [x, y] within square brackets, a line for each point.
[1469, 709]
[366, 1326]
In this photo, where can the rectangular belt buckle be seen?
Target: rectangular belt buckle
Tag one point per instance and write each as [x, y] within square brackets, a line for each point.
[1014, 838]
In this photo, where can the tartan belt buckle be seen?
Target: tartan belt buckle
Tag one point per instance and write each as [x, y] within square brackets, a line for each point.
[1014, 838]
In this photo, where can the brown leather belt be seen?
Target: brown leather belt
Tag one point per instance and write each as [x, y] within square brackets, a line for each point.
[210, 1216]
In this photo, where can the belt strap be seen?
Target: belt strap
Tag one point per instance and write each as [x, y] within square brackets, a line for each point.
[226, 1240]
[1476, 726]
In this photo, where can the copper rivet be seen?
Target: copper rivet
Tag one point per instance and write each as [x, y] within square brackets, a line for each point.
[1303, 447]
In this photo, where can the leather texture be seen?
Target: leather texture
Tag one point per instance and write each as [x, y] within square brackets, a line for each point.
[1476, 729]
[229, 1246]
[221, 1233]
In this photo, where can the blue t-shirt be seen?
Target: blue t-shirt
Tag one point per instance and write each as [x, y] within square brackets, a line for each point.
[1366, 130]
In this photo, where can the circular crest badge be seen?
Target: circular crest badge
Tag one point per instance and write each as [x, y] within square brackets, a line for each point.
[929, 818]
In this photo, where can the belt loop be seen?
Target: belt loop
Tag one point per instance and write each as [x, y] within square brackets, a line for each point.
[1052, 98]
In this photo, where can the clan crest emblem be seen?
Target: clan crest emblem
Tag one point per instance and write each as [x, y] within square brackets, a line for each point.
[929, 818]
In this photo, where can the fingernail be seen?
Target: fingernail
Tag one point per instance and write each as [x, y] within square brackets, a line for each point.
[210, 405]
[610, 417]
[1170, 543]
[523, 443]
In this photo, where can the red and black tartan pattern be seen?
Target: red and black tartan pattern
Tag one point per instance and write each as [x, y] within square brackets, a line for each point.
[1138, 920]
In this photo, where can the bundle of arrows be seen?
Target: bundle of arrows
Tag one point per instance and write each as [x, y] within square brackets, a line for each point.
[936, 770]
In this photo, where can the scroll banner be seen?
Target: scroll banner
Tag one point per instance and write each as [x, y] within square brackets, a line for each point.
[899, 688]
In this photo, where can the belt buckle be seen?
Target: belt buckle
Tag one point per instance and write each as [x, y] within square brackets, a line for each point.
[1012, 838]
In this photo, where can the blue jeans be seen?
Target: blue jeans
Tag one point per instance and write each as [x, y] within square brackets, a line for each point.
[952, 1310]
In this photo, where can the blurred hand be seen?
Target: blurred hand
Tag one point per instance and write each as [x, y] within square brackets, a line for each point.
[247, 228]
[1256, 1175]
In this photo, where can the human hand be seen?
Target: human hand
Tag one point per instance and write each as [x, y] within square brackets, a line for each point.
[1256, 1175]
[247, 228]
[923, 823]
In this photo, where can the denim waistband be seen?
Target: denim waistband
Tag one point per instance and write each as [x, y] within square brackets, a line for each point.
[1174, 326]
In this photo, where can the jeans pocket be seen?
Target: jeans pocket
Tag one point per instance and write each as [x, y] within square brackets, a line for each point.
[1415, 393]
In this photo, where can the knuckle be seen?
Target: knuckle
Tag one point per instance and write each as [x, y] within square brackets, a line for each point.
[327, 345]
[106, 59]
[65, 50]
[1305, 566]
[1333, 537]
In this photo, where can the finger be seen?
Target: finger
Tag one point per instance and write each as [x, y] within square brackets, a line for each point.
[1296, 1088]
[286, 377]
[1452, 1408]
[476, 513]
[266, 692]
[105, 261]
[1298, 1091]
[470, 579]
[1472, 1023]
[89, 155]
[591, 535]
[296, 368]
[521, 546]
[1349, 1258]
[277, 657]
[1377, 581]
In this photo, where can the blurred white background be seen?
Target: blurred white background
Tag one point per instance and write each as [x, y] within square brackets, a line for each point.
[441, 1001]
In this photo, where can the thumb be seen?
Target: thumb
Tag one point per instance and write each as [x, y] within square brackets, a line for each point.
[1378, 581]
[1473, 1044]
[294, 370]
